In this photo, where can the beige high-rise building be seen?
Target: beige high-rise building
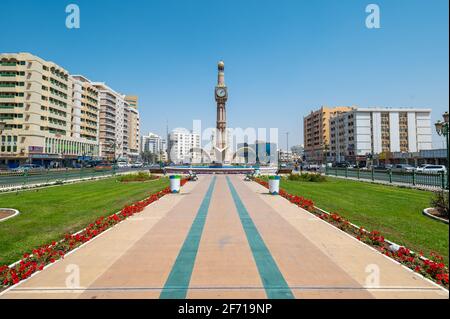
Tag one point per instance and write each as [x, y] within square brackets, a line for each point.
[86, 99]
[132, 101]
[316, 133]
[41, 110]
[133, 129]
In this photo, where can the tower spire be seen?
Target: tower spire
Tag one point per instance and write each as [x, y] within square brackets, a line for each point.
[221, 74]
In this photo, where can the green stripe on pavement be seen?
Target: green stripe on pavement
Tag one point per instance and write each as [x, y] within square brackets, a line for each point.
[274, 283]
[177, 283]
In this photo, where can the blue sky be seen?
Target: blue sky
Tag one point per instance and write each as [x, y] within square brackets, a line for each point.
[282, 58]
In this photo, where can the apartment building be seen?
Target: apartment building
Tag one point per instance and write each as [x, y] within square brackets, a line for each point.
[155, 144]
[316, 133]
[375, 132]
[184, 147]
[111, 131]
[86, 106]
[40, 107]
[134, 131]
[132, 101]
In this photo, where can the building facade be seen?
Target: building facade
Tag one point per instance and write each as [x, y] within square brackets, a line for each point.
[155, 144]
[52, 118]
[41, 105]
[134, 131]
[364, 133]
[184, 147]
[110, 139]
[86, 110]
[316, 133]
[297, 153]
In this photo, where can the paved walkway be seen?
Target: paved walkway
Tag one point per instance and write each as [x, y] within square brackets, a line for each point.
[225, 238]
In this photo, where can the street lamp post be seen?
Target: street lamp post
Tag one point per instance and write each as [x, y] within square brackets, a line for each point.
[442, 128]
[113, 145]
[2, 127]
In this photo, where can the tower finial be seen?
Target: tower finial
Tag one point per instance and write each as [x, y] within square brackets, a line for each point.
[221, 65]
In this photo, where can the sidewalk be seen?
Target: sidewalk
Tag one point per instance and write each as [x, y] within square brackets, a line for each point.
[226, 238]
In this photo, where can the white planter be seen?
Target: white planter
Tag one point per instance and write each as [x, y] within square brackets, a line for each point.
[274, 185]
[175, 183]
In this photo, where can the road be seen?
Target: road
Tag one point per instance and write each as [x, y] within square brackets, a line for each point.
[47, 176]
[222, 237]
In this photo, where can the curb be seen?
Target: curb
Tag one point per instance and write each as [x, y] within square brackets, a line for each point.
[426, 213]
[16, 212]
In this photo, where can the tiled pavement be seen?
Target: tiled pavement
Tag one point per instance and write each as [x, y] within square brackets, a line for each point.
[222, 237]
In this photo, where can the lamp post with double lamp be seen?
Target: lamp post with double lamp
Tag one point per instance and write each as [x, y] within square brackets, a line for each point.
[442, 128]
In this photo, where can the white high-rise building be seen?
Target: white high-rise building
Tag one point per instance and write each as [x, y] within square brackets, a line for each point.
[362, 131]
[154, 144]
[184, 147]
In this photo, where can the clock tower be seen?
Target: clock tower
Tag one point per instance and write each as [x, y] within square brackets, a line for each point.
[221, 95]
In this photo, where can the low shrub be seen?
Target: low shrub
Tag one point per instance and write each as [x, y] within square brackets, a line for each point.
[440, 202]
[139, 177]
[307, 177]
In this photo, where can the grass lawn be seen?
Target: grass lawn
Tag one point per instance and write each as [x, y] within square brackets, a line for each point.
[49, 213]
[395, 212]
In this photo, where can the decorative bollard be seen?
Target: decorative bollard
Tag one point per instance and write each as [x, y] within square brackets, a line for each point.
[274, 184]
[175, 183]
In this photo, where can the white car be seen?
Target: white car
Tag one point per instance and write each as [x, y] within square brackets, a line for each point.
[428, 168]
[122, 165]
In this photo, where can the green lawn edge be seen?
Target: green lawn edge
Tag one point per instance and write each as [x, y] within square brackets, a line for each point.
[47, 214]
[394, 211]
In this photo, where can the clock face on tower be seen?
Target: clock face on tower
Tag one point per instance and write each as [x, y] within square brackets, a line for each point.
[221, 92]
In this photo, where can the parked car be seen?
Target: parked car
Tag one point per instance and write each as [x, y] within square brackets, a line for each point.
[122, 164]
[428, 168]
[405, 168]
[379, 168]
[137, 165]
[312, 167]
[27, 168]
[341, 165]
[359, 165]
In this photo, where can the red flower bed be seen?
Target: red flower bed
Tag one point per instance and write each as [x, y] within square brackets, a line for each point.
[432, 268]
[297, 200]
[48, 254]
